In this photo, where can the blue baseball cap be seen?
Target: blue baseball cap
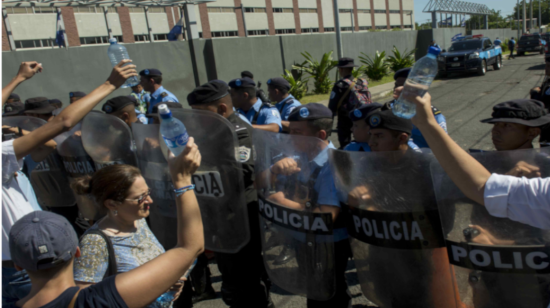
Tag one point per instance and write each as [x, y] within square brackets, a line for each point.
[42, 240]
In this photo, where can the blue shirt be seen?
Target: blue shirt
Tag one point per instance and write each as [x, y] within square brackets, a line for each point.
[161, 95]
[497, 42]
[285, 107]
[417, 135]
[267, 114]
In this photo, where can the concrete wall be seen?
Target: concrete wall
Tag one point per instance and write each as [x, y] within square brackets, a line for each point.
[443, 36]
[83, 69]
[500, 33]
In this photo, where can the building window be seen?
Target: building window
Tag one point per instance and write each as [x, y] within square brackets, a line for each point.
[363, 11]
[381, 27]
[395, 12]
[283, 10]
[364, 28]
[285, 31]
[257, 32]
[19, 10]
[345, 10]
[329, 29]
[141, 38]
[380, 11]
[156, 10]
[43, 43]
[254, 9]
[220, 9]
[136, 10]
[346, 28]
[224, 33]
[92, 40]
[407, 26]
[310, 30]
[308, 11]
[44, 10]
[160, 37]
[87, 9]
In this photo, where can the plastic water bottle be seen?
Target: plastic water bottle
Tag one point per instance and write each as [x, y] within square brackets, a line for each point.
[172, 130]
[419, 81]
[169, 296]
[117, 53]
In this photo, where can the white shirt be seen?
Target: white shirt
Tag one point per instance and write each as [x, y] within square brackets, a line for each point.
[519, 199]
[14, 202]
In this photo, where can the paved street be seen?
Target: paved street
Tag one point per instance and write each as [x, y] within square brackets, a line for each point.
[464, 100]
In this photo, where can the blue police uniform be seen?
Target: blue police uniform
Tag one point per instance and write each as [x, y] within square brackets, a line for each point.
[286, 106]
[417, 135]
[497, 42]
[161, 95]
[364, 147]
[261, 114]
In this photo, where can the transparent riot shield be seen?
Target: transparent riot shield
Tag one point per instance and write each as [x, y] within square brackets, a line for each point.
[297, 238]
[394, 228]
[497, 262]
[108, 140]
[219, 184]
[78, 164]
[24, 122]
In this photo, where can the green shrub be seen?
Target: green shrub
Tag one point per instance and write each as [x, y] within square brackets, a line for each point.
[318, 71]
[298, 87]
[504, 45]
[375, 68]
[399, 61]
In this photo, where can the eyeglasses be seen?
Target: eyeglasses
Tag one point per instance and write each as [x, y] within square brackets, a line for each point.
[141, 198]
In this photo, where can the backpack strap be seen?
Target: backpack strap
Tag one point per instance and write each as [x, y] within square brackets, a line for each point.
[352, 85]
[255, 119]
[73, 301]
[112, 267]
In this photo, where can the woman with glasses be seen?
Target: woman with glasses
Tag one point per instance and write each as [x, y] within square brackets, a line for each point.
[121, 191]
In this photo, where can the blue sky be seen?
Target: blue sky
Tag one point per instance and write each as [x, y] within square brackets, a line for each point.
[505, 6]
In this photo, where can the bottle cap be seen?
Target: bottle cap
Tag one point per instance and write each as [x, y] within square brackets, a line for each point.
[112, 41]
[164, 112]
[434, 50]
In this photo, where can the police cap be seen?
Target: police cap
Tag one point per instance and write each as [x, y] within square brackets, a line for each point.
[402, 73]
[171, 105]
[247, 74]
[528, 112]
[14, 108]
[208, 93]
[77, 94]
[309, 112]
[386, 119]
[150, 72]
[15, 97]
[363, 111]
[244, 82]
[55, 102]
[39, 105]
[279, 82]
[116, 104]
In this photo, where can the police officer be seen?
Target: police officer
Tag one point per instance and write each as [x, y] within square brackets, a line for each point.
[400, 77]
[315, 120]
[497, 42]
[122, 107]
[76, 95]
[39, 107]
[242, 271]
[261, 115]
[542, 93]
[511, 46]
[13, 98]
[259, 92]
[56, 103]
[517, 123]
[13, 109]
[361, 128]
[278, 88]
[339, 98]
[388, 132]
[151, 81]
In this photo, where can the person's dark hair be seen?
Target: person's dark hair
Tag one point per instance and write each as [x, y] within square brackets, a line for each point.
[321, 124]
[111, 182]
[283, 90]
[250, 90]
[157, 79]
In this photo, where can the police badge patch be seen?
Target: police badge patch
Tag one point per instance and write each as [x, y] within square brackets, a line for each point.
[374, 120]
[243, 154]
[304, 113]
[357, 113]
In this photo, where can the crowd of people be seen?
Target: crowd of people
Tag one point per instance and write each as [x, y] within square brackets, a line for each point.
[57, 256]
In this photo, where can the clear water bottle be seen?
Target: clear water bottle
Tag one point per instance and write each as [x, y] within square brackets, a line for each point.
[172, 130]
[169, 296]
[117, 53]
[419, 81]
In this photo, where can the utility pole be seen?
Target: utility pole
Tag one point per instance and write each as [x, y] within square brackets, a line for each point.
[531, 14]
[337, 26]
[517, 21]
[524, 17]
[539, 23]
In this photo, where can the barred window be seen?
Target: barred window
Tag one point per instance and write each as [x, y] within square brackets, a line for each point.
[87, 9]
[308, 10]
[141, 38]
[221, 9]
[156, 10]
[364, 28]
[285, 31]
[345, 10]
[363, 11]
[254, 9]
[395, 12]
[345, 29]
[44, 10]
[224, 33]
[19, 10]
[381, 27]
[43, 43]
[283, 10]
[92, 40]
[257, 32]
[160, 37]
[329, 29]
[136, 10]
[310, 30]
[380, 11]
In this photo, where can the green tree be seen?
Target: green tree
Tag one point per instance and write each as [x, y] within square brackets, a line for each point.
[318, 71]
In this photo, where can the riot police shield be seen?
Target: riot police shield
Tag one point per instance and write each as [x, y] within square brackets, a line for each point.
[219, 184]
[108, 140]
[78, 164]
[394, 228]
[497, 262]
[23, 122]
[292, 223]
